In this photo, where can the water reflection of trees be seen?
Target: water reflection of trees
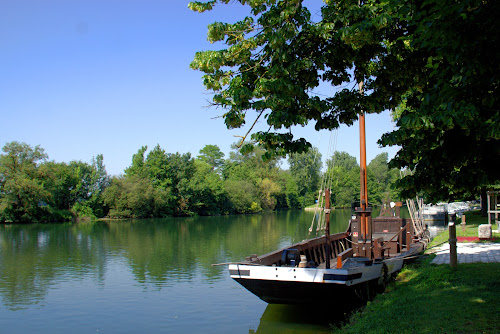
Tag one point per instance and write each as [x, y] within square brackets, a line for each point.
[34, 257]
[158, 252]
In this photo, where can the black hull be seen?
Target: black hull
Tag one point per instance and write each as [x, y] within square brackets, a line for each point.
[297, 293]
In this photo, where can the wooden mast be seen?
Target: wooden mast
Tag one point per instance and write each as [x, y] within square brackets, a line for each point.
[364, 212]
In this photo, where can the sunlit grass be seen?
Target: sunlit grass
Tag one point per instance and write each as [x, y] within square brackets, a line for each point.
[472, 219]
[427, 298]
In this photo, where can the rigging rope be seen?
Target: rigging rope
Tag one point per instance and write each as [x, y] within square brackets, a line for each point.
[326, 182]
[307, 190]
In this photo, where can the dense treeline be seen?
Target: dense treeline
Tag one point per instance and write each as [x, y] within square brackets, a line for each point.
[160, 184]
[33, 189]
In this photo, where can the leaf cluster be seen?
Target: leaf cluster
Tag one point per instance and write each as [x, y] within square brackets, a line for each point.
[434, 62]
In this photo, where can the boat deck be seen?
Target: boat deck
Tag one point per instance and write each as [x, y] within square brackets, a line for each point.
[352, 262]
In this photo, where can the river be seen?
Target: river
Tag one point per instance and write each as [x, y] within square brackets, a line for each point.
[148, 276]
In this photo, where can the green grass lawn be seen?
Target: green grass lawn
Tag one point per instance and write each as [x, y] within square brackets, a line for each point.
[427, 298]
[473, 219]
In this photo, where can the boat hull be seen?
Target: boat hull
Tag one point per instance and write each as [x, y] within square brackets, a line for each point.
[293, 285]
[296, 293]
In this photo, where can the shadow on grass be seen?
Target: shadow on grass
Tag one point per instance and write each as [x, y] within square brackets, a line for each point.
[435, 299]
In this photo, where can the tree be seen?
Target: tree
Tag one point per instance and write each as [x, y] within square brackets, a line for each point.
[242, 196]
[342, 160]
[23, 197]
[343, 173]
[420, 56]
[169, 174]
[345, 188]
[378, 178]
[252, 183]
[137, 166]
[268, 189]
[305, 169]
[181, 171]
[83, 184]
[135, 197]
[207, 192]
[292, 193]
[60, 181]
[278, 56]
[156, 168]
[99, 181]
[448, 125]
[212, 155]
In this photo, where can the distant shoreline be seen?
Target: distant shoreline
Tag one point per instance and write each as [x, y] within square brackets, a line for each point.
[314, 208]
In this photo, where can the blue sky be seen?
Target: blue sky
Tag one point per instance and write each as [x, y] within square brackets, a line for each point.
[87, 77]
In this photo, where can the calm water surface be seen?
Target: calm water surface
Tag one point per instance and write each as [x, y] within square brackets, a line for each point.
[147, 276]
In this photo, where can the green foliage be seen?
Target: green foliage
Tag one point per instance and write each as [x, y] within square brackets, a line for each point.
[212, 155]
[448, 127]
[292, 193]
[343, 171]
[83, 211]
[242, 196]
[137, 166]
[343, 160]
[379, 179]
[164, 180]
[262, 178]
[23, 195]
[160, 184]
[35, 190]
[305, 170]
[208, 194]
[136, 197]
[436, 62]
[267, 189]
[278, 56]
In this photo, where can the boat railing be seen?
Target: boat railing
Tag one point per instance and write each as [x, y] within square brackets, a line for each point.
[343, 256]
[395, 243]
[391, 236]
[313, 249]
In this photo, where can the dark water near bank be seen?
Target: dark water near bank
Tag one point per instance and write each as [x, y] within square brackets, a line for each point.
[147, 276]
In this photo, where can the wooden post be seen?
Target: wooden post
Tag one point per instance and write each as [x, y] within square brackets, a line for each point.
[463, 223]
[398, 209]
[409, 235]
[489, 207]
[327, 228]
[453, 244]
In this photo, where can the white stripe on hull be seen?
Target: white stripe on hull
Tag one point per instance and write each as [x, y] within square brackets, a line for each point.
[349, 276]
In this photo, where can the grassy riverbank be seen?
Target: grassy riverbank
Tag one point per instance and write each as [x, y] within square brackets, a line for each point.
[427, 298]
[473, 219]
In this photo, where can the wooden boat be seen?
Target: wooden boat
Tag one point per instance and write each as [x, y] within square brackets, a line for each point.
[347, 265]
[302, 274]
